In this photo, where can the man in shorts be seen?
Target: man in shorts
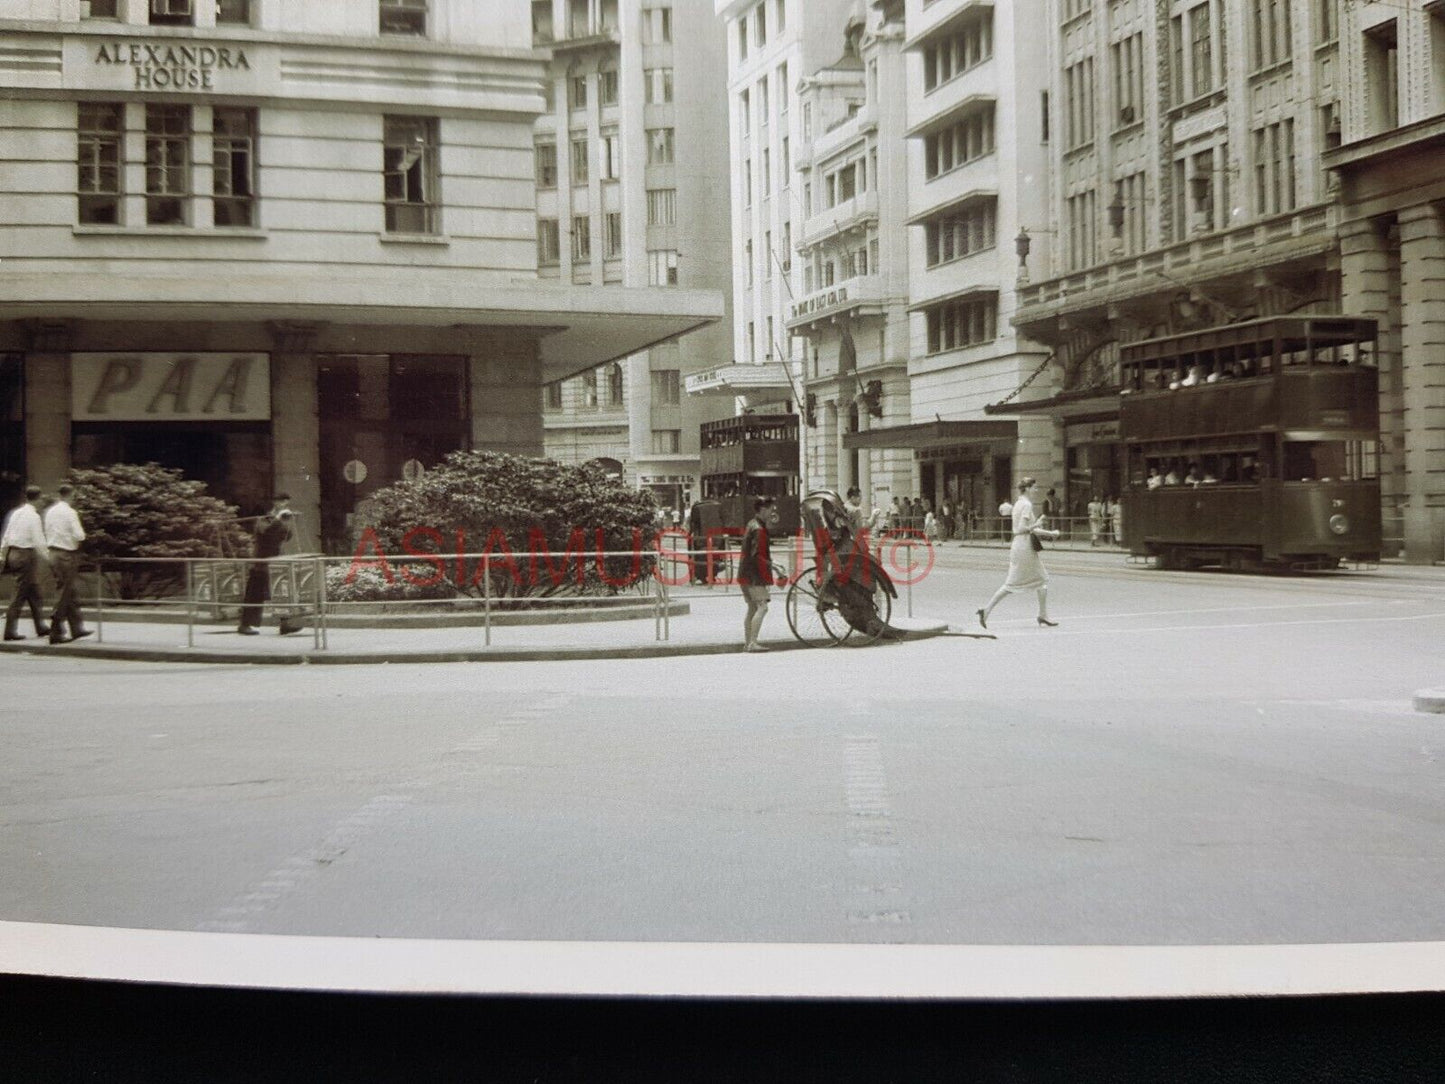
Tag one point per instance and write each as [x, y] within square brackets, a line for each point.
[755, 570]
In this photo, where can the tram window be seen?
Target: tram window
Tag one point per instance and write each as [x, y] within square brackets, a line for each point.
[1329, 460]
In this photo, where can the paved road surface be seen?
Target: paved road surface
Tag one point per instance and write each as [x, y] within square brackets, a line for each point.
[1188, 758]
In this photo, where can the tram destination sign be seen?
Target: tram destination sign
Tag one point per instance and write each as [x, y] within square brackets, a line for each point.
[170, 387]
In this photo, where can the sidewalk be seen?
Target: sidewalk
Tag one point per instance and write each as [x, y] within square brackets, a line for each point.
[714, 627]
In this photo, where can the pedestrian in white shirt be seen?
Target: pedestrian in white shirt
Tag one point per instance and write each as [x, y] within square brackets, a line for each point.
[64, 534]
[22, 552]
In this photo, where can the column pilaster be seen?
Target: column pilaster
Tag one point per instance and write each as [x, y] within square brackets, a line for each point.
[1422, 354]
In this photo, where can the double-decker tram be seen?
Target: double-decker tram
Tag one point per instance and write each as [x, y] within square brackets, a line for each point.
[752, 455]
[1253, 445]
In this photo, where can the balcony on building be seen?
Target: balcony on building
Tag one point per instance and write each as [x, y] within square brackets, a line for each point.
[582, 31]
[861, 295]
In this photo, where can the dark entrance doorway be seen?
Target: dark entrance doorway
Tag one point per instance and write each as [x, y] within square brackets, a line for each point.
[12, 430]
[233, 459]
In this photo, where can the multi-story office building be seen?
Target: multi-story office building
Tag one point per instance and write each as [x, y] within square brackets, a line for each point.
[283, 245]
[852, 251]
[771, 46]
[631, 168]
[1188, 190]
[1391, 164]
[977, 168]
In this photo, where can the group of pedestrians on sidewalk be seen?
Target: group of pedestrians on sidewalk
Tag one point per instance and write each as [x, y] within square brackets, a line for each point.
[36, 536]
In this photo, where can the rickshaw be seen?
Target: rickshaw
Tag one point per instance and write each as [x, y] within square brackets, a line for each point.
[847, 597]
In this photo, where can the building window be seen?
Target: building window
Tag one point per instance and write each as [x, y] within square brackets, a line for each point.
[589, 389]
[1329, 20]
[607, 87]
[581, 238]
[168, 164]
[768, 342]
[233, 156]
[577, 91]
[552, 395]
[172, 13]
[546, 165]
[1072, 9]
[662, 206]
[666, 441]
[579, 160]
[548, 247]
[1274, 183]
[1201, 60]
[760, 24]
[656, 26]
[785, 257]
[666, 387]
[613, 247]
[403, 16]
[1079, 103]
[785, 170]
[972, 45]
[1196, 52]
[767, 173]
[233, 12]
[101, 9]
[961, 232]
[752, 341]
[659, 85]
[662, 267]
[659, 146]
[768, 254]
[763, 102]
[956, 324]
[745, 112]
[747, 182]
[782, 19]
[100, 128]
[742, 37]
[784, 91]
[1083, 248]
[1270, 32]
[409, 165]
[542, 26]
[611, 152]
[1382, 77]
[1043, 116]
[1133, 230]
[748, 260]
[969, 139]
[1127, 56]
[614, 385]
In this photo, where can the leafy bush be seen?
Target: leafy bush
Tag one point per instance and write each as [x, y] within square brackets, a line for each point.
[371, 585]
[146, 510]
[501, 504]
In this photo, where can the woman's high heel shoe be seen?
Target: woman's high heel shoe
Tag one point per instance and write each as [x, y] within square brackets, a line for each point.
[983, 618]
[1050, 624]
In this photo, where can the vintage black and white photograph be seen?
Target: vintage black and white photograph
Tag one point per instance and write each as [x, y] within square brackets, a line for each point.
[419, 417]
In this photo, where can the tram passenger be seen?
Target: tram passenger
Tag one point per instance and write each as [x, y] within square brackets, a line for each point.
[1155, 479]
[1193, 478]
[1172, 477]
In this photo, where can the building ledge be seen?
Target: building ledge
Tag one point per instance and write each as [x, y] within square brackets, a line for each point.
[1385, 145]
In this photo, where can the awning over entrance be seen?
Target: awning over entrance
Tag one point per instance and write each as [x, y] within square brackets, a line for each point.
[578, 328]
[1090, 404]
[768, 380]
[933, 434]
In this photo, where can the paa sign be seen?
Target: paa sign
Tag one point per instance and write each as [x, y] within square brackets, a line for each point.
[170, 387]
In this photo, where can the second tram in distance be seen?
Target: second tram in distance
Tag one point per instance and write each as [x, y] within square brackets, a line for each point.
[1253, 445]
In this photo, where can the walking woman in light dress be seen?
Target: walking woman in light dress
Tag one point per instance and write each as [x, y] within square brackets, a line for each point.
[1026, 571]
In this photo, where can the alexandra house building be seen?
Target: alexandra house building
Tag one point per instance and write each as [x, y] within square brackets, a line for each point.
[283, 246]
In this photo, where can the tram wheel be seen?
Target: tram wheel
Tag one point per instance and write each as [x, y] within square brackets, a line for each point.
[808, 611]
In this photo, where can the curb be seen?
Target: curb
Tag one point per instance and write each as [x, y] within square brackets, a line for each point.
[345, 658]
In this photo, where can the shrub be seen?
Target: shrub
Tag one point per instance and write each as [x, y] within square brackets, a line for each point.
[497, 503]
[146, 510]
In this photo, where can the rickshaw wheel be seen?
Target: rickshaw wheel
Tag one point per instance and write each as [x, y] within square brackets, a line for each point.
[809, 615]
[864, 616]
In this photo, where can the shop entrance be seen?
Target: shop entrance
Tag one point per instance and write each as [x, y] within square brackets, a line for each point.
[12, 431]
[380, 417]
[233, 459]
